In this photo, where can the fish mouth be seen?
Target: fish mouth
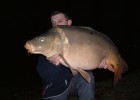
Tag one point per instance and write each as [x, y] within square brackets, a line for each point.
[28, 47]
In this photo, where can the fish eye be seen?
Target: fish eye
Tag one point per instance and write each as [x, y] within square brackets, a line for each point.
[42, 39]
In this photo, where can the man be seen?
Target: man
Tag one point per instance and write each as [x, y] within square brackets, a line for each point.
[58, 81]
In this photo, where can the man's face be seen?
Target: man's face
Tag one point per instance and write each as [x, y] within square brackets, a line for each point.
[59, 19]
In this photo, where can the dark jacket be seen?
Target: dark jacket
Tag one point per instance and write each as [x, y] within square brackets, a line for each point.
[56, 79]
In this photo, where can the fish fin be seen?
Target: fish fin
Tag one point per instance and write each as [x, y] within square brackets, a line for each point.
[74, 71]
[110, 68]
[62, 57]
[84, 74]
[89, 28]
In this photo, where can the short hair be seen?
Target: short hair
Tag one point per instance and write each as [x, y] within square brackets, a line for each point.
[58, 12]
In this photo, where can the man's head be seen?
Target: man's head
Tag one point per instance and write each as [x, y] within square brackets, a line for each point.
[60, 18]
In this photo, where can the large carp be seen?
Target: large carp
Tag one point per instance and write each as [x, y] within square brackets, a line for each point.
[81, 48]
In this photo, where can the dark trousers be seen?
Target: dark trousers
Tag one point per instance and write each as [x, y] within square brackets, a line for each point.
[78, 87]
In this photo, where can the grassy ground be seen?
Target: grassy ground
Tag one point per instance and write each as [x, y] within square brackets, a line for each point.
[128, 88]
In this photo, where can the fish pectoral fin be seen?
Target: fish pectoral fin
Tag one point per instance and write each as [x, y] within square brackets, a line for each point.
[74, 71]
[84, 74]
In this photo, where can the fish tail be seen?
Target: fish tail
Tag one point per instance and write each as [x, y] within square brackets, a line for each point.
[119, 70]
[124, 66]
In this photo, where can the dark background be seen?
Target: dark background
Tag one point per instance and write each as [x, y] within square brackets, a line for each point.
[21, 20]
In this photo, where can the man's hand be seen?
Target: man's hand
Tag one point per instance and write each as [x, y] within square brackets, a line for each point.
[54, 59]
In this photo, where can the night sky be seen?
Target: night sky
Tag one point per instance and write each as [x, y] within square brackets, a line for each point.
[22, 20]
